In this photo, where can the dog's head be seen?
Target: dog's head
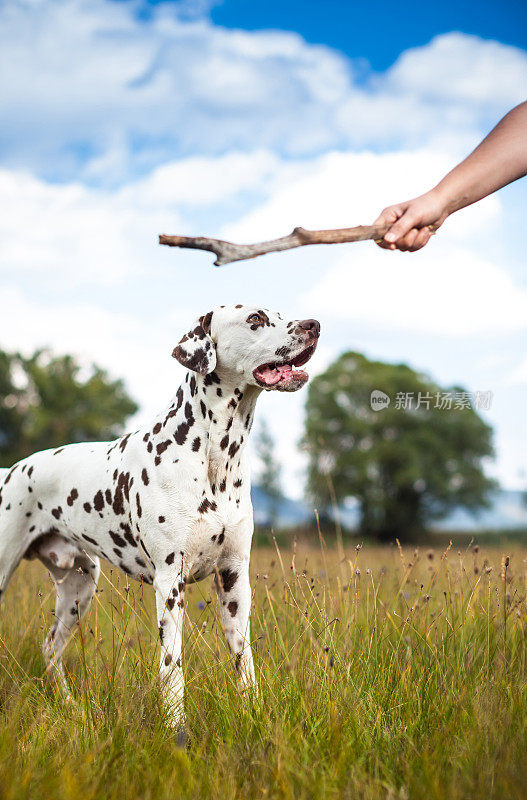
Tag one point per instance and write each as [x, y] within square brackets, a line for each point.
[252, 345]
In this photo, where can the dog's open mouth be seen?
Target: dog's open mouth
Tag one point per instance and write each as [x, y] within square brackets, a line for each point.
[285, 375]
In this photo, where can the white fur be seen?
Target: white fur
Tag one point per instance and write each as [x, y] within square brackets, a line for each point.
[169, 503]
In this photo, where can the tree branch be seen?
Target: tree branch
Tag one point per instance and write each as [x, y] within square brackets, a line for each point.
[227, 252]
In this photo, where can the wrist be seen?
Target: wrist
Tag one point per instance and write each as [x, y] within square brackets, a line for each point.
[444, 199]
[450, 196]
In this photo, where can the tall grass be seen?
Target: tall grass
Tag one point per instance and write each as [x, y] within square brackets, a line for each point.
[384, 673]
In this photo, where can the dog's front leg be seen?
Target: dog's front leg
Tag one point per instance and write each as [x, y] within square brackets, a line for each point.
[234, 598]
[169, 588]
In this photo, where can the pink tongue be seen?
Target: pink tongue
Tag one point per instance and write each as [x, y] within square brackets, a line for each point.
[272, 376]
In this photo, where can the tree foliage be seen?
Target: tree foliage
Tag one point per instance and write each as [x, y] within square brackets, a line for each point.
[47, 401]
[405, 467]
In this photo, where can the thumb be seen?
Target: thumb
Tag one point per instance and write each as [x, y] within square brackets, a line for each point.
[401, 227]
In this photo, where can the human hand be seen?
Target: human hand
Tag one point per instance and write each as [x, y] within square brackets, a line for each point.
[412, 223]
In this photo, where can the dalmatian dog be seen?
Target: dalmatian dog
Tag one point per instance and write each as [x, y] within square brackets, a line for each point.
[169, 504]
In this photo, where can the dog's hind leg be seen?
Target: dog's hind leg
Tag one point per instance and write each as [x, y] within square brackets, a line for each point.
[75, 590]
[13, 545]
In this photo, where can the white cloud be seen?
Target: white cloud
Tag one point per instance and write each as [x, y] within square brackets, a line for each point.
[458, 68]
[73, 235]
[344, 189]
[126, 345]
[112, 94]
[205, 181]
[68, 234]
[444, 291]
[518, 376]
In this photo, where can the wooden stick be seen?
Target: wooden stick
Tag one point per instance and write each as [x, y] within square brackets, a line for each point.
[227, 252]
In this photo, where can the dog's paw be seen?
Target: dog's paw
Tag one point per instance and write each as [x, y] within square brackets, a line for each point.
[175, 720]
[181, 736]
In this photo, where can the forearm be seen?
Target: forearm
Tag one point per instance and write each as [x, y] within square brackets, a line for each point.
[500, 159]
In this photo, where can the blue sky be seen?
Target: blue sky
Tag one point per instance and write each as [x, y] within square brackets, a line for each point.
[122, 120]
[379, 35]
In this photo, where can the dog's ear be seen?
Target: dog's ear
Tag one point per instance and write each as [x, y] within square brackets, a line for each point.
[196, 350]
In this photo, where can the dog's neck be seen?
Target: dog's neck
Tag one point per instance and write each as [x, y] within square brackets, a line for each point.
[211, 416]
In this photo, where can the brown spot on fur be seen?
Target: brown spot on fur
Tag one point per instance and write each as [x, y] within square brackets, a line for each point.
[162, 446]
[182, 430]
[72, 496]
[207, 505]
[119, 541]
[130, 539]
[124, 442]
[122, 491]
[228, 579]
[233, 449]
[98, 501]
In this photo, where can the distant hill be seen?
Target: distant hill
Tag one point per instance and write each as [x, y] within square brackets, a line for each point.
[291, 513]
[508, 510]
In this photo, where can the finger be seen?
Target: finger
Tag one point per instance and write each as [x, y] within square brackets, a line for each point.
[384, 245]
[400, 228]
[422, 238]
[407, 242]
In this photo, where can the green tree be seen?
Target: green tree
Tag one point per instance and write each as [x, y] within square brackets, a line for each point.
[270, 471]
[405, 466]
[47, 401]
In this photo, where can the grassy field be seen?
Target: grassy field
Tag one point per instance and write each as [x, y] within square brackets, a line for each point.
[384, 673]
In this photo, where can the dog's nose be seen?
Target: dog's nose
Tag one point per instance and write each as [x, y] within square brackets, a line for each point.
[311, 325]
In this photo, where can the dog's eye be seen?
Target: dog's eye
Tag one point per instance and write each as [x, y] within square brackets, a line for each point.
[255, 319]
